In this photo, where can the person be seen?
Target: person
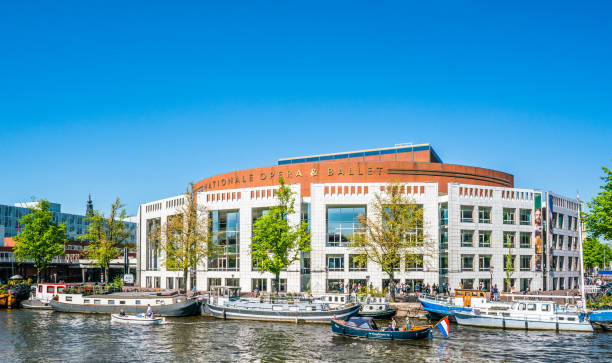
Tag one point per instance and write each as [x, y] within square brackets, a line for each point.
[121, 313]
[149, 314]
[495, 293]
[393, 324]
[408, 324]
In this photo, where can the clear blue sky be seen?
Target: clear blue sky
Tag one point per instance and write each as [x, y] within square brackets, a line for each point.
[135, 99]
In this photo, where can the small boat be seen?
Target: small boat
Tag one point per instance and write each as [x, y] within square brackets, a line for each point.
[36, 304]
[365, 327]
[601, 319]
[376, 307]
[527, 315]
[136, 319]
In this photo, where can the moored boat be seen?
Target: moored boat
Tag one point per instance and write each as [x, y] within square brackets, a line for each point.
[464, 300]
[136, 319]
[42, 293]
[365, 327]
[601, 319]
[376, 307]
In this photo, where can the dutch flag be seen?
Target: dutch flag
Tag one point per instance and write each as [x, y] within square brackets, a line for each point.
[443, 326]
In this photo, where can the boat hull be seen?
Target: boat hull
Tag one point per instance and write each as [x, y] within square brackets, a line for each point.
[439, 310]
[135, 320]
[283, 316]
[339, 328]
[185, 308]
[35, 304]
[379, 315]
[601, 319]
[514, 323]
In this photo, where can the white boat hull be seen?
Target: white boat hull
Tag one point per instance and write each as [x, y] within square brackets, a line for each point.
[135, 320]
[515, 323]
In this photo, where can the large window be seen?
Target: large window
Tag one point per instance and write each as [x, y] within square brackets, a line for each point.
[225, 231]
[467, 214]
[356, 264]
[335, 262]
[484, 214]
[467, 263]
[414, 262]
[213, 281]
[509, 239]
[443, 240]
[525, 217]
[343, 223]
[484, 262]
[484, 238]
[333, 285]
[509, 215]
[259, 284]
[152, 243]
[467, 238]
[526, 263]
[525, 241]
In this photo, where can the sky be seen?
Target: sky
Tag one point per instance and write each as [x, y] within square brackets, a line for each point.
[136, 99]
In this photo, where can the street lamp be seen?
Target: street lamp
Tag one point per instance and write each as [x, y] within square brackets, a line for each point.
[491, 280]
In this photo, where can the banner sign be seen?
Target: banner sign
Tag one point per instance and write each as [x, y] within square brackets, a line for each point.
[539, 244]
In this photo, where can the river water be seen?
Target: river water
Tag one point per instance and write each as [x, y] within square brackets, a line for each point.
[47, 336]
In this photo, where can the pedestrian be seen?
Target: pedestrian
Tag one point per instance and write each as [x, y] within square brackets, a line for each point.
[495, 293]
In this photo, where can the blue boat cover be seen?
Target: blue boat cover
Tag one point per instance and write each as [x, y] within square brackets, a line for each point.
[362, 322]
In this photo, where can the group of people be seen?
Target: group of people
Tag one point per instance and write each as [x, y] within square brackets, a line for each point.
[403, 289]
[394, 325]
[148, 314]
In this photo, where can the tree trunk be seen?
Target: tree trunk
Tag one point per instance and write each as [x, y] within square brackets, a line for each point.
[106, 274]
[392, 287]
[186, 280]
[38, 275]
[277, 282]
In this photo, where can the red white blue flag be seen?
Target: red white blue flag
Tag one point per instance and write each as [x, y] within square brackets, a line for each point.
[443, 326]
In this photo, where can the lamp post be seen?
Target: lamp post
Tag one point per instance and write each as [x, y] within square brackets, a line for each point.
[491, 280]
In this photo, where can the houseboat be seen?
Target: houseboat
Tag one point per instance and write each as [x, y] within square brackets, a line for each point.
[528, 315]
[376, 307]
[130, 303]
[44, 292]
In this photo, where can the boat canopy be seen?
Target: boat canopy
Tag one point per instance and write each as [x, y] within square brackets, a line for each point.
[362, 322]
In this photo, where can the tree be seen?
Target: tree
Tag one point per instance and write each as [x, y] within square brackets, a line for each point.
[185, 237]
[106, 236]
[276, 243]
[41, 239]
[394, 227]
[596, 254]
[509, 269]
[599, 219]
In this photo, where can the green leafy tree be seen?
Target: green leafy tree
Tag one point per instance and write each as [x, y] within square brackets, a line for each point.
[393, 228]
[186, 238]
[598, 220]
[106, 236]
[41, 240]
[509, 269]
[596, 254]
[276, 243]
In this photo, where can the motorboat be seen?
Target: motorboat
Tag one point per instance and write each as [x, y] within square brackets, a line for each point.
[139, 319]
[365, 327]
[376, 307]
[463, 300]
[527, 315]
[601, 319]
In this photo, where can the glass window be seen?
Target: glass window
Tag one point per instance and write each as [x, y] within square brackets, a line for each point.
[333, 285]
[414, 262]
[213, 281]
[259, 284]
[467, 262]
[509, 239]
[525, 217]
[225, 231]
[509, 215]
[232, 282]
[335, 262]
[282, 286]
[443, 240]
[443, 214]
[50, 289]
[525, 240]
[484, 262]
[526, 263]
[111, 302]
[467, 284]
[484, 238]
[484, 214]
[60, 289]
[343, 223]
[356, 264]
[467, 238]
[467, 214]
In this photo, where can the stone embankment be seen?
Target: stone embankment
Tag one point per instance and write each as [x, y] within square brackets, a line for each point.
[412, 309]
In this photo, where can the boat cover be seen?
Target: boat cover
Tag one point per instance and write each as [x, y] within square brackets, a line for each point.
[362, 322]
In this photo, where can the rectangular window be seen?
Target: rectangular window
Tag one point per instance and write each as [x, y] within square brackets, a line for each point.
[343, 223]
[509, 239]
[560, 221]
[111, 302]
[484, 214]
[467, 263]
[444, 240]
[467, 238]
[213, 281]
[259, 284]
[525, 240]
[443, 214]
[526, 263]
[525, 284]
[68, 298]
[170, 283]
[414, 262]
[97, 302]
[121, 302]
[357, 264]
[467, 284]
[333, 285]
[509, 215]
[335, 262]
[232, 282]
[282, 286]
[484, 238]
[225, 232]
[467, 214]
[50, 289]
[525, 217]
[484, 262]
[86, 301]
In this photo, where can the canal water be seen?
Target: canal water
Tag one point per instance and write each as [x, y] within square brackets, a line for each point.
[46, 336]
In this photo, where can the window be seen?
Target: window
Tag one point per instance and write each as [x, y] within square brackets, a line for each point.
[525, 241]
[335, 262]
[137, 302]
[525, 217]
[444, 240]
[213, 281]
[121, 302]
[443, 214]
[526, 263]
[282, 285]
[50, 289]
[111, 302]
[467, 284]
[225, 231]
[170, 283]
[356, 264]
[484, 215]
[342, 223]
[525, 284]
[467, 214]
[484, 262]
[560, 221]
[509, 239]
[531, 307]
[414, 262]
[232, 282]
[561, 261]
[467, 238]
[97, 302]
[86, 301]
[509, 215]
[484, 238]
[259, 284]
[545, 307]
[334, 285]
[467, 263]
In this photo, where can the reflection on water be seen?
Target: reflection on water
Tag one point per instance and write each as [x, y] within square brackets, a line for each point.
[47, 336]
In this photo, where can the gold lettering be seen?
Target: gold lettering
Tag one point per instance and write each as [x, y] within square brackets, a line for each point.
[250, 177]
[280, 174]
[230, 180]
[262, 176]
[340, 172]
[359, 170]
[214, 183]
[223, 181]
[313, 172]
[369, 171]
[272, 174]
[330, 171]
[243, 179]
[237, 179]
[298, 173]
[288, 173]
[379, 170]
[351, 171]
